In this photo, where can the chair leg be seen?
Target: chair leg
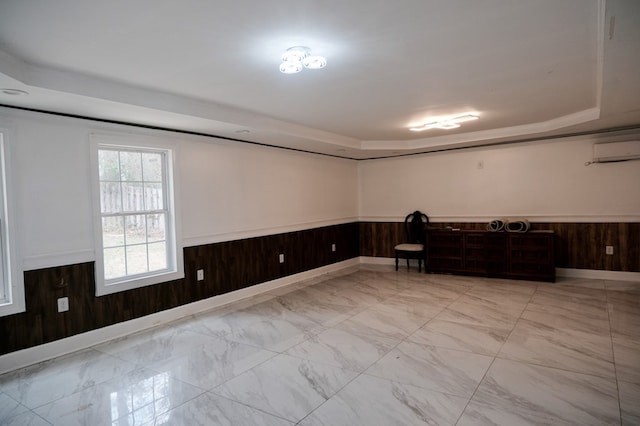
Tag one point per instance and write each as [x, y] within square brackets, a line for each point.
[419, 265]
[408, 262]
[396, 262]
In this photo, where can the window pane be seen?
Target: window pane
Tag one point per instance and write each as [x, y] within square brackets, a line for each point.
[137, 222]
[153, 196]
[152, 167]
[130, 166]
[157, 256]
[114, 265]
[137, 259]
[156, 227]
[132, 197]
[136, 229]
[110, 197]
[112, 231]
[108, 165]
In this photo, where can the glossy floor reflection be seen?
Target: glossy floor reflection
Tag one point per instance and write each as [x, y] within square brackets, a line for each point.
[366, 346]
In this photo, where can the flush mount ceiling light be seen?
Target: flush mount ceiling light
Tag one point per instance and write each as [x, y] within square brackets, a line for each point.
[446, 123]
[294, 59]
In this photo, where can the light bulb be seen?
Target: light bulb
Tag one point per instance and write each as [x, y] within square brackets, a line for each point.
[463, 118]
[447, 125]
[314, 62]
[290, 67]
[295, 54]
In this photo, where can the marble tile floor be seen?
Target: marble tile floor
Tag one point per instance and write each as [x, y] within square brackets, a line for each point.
[364, 346]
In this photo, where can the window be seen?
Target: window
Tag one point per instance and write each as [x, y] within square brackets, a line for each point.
[136, 217]
[11, 282]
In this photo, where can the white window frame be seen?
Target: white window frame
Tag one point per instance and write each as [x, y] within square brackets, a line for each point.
[174, 246]
[10, 265]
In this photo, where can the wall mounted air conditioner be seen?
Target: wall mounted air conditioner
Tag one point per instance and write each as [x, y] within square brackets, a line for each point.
[616, 151]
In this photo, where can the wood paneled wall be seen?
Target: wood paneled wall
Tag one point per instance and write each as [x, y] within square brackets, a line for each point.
[582, 245]
[238, 264]
[577, 245]
[228, 266]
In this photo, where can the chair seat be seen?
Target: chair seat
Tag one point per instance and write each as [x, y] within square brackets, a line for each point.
[409, 247]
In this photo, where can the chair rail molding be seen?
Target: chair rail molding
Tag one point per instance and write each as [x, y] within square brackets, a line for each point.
[196, 240]
[560, 218]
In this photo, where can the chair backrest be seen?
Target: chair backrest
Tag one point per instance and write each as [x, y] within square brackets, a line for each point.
[414, 227]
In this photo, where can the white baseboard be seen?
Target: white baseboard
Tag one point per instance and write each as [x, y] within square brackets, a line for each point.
[29, 356]
[598, 274]
[387, 261]
[594, 274]
[25, 357]
[377, 260]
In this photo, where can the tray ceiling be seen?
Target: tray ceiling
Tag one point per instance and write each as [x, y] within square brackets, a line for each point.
[526, 68]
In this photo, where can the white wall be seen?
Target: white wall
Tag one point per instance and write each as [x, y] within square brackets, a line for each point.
[231, 190]
[236, 190]
[228, 190]
[542, 181]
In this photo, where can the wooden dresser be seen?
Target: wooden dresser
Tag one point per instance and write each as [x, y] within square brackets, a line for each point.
[526, 256]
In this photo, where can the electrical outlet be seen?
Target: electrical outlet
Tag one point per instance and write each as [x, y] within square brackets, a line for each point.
[609, 250]
[333, 247]
[281, 258]
[200, 274]
[63, 304]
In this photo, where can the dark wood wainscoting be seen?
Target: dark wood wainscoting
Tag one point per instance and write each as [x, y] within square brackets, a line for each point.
[582, 245]
[238, 264]
[577, 245]
[228, 266]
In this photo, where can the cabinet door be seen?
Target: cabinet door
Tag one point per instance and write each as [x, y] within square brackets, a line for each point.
[531, 256]
[496, 254]
[475, 255]
[485, 253]
[444, 251]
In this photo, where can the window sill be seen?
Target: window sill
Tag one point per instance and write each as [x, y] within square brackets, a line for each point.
[131, 284]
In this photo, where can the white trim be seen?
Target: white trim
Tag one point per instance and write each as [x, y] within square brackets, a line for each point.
[57, 259]
[51, 260]
[10, 226]
[566, 218]
[390, 261]
[471, 139]
[594, 274]
[25, 357]
[88, 255]
[175, 266]
[377, 260]
[15, 360]
[261, 232]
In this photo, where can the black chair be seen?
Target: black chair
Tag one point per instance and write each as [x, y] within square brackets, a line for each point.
[413, 248]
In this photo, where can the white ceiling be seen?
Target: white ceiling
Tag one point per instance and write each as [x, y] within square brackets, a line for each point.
[528, 68]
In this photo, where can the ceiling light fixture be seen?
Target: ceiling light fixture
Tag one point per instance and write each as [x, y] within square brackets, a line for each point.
[446, 123]
[294, 59]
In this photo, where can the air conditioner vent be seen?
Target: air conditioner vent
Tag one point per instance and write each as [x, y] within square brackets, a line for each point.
[616, 151]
